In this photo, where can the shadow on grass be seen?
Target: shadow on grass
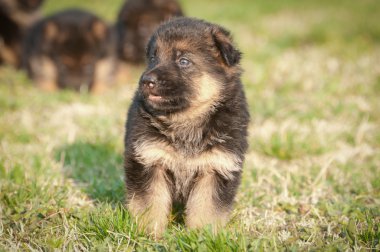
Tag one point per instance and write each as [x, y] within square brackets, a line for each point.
[96, 168]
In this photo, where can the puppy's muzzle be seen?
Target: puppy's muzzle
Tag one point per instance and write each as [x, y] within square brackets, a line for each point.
[150, 85]
[149, 81]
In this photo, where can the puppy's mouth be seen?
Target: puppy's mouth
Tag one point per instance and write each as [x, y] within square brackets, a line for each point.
[164, 99]
[155, 98]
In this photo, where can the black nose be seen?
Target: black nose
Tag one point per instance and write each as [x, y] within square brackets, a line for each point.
[149, 80]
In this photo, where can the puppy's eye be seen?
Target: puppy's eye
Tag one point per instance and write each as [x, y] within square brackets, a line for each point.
[152, 59]
[183, 62]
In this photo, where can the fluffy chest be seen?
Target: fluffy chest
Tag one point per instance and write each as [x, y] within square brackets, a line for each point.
[153, 153]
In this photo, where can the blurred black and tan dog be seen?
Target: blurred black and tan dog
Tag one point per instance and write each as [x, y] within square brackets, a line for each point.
[186, 133]
[136, 22]
[15, 17]
[73, 49]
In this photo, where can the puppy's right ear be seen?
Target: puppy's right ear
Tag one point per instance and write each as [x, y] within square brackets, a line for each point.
[50, 30]
[223, 41]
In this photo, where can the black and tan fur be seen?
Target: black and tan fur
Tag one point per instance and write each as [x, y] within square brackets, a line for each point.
[72, 49]
[186, 132]
[136, 22]
[16, 16]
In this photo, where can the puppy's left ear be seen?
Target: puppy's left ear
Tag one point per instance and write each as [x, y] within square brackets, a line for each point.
[223, 41]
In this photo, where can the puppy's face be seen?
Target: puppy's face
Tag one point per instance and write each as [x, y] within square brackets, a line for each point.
[136, 35]
[75, 52]
[138, 20]
[189, 64]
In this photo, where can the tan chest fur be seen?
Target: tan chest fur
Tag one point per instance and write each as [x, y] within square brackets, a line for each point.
[153, 153]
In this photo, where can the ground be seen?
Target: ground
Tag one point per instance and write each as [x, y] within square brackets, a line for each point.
[312, 173]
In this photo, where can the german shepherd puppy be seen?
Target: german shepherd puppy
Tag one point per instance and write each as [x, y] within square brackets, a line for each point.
[15, 17]
[136, 22]
[186, 133]
[72, 49]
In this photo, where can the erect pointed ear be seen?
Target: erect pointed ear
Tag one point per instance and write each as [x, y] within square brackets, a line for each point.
[99, 29]
[50, 30]
[223, 41]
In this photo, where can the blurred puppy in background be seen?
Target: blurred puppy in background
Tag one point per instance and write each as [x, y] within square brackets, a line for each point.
[15, 17]
[136, 22]
[73, 49]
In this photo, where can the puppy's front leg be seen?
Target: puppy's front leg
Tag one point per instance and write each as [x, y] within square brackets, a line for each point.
[103, 76]
[151, 204]
[205, 205]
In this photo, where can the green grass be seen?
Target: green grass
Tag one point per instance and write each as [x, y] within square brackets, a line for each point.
[312, 174]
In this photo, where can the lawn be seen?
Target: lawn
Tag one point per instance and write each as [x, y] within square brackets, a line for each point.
[311, 177]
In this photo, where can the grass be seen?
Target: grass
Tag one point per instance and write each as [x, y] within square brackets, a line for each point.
[312, 174]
